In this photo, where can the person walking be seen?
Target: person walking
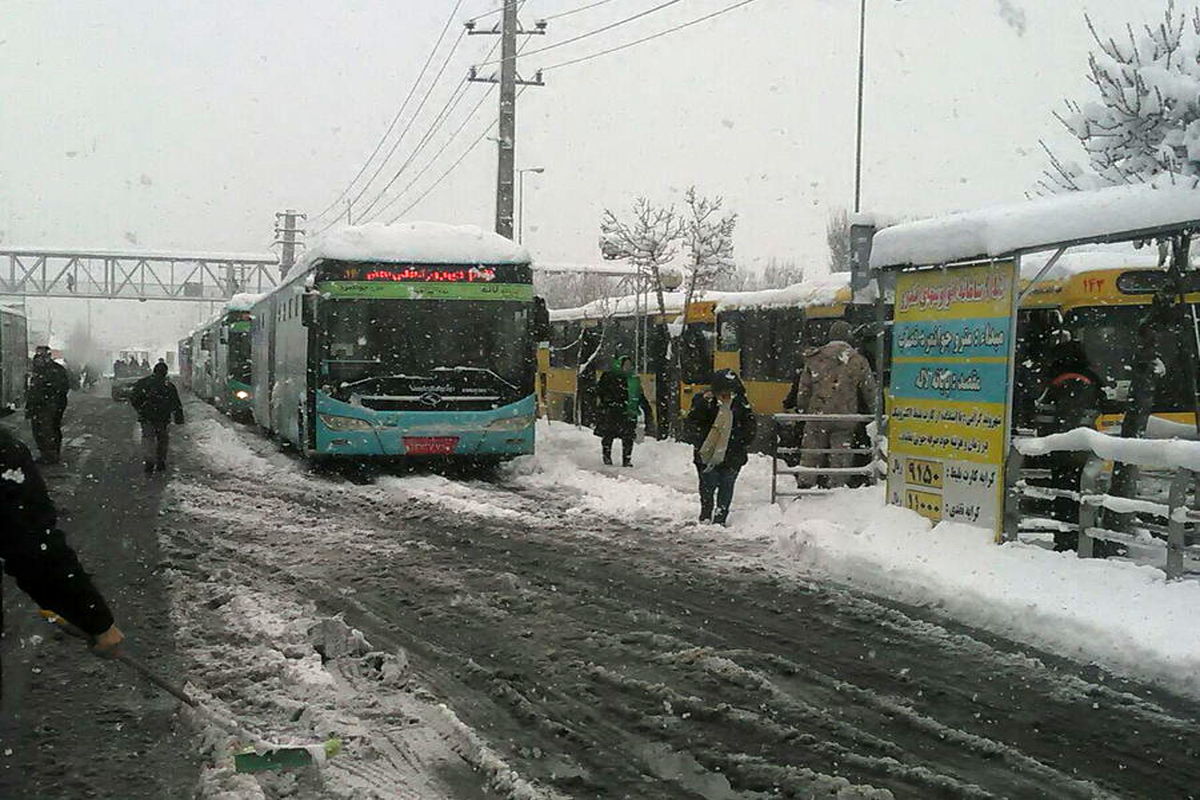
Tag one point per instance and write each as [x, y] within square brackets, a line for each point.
[45, 404]
[720, 426]
[35, 551]
[836, 379]
[619, 397]
[157, 402]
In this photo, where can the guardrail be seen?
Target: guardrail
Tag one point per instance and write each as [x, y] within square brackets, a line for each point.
[1149, 520]
[780, 453]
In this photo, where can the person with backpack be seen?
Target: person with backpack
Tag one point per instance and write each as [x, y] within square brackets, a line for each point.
[157, 402]
[720, 427]
[619, 397]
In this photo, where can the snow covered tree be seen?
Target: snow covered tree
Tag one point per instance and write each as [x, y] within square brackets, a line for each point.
[837, 234]
[1146, 120]
[647, 240]
[708, 237]
[1143, 127]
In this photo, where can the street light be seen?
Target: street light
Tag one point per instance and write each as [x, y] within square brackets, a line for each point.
[521, 199]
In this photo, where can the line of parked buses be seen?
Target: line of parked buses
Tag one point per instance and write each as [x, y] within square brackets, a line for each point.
[763, 335]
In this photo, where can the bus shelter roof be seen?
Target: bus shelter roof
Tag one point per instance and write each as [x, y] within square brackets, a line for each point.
[1111, 214]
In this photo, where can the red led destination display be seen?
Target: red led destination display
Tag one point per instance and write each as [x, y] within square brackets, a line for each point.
[424, 273]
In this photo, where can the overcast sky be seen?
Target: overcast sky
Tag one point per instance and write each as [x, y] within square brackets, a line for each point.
[175, 124]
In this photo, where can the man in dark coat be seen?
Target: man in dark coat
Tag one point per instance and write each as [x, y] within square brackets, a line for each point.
[35, 552]
[619, 397]
[157, 402]
[1071, 400]
[721, 427]
[45, 404]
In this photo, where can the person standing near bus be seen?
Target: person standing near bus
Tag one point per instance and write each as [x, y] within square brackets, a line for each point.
[45, 404]
[619, 397]
[157, 402]
[836, 379]
[720, 426]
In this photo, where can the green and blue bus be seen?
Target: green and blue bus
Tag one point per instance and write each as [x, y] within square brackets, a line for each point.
[214, 359]
[408, 340]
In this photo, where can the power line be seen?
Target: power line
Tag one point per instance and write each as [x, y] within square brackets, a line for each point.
[392, 125]
[441, 117]
[569, 12]
[425, 98]
[449, 169]
[445, 145]
[644, 39]
[599, 30]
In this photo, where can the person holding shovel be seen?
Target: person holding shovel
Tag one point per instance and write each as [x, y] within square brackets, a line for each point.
[35, 551]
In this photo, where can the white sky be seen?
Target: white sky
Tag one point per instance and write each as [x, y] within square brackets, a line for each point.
[175, 124]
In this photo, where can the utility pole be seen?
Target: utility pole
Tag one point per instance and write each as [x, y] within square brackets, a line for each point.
[286, 235]
[862, 41]
[508, 79]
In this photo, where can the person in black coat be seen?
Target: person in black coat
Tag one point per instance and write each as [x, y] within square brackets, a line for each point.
[45, 404]
[157, 402]
[619, 398]
[720, 426]
[1071, 400]
[35, 552]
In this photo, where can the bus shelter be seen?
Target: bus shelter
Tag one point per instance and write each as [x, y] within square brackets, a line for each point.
[954, 335]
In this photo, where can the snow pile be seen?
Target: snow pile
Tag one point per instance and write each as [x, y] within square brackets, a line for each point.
[1125, 617]
[1035, 224]
[416, 242]
[1089, 259]
[1168, 453]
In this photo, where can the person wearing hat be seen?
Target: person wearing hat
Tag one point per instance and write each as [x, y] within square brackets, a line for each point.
[45, 404]
[156, 401]
[836, 379]
[720, 427]
[619, 398]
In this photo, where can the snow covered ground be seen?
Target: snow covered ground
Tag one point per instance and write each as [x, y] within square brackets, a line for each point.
[253, 636]
[1122, 616]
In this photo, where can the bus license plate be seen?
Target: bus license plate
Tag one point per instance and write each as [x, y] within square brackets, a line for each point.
[430, 445]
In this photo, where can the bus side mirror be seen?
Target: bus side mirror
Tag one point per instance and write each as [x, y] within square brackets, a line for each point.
[308, 309]
[540, 323]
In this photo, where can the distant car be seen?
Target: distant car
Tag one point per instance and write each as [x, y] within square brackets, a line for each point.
[121, 388]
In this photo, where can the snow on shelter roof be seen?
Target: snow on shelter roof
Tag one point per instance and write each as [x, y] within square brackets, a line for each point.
[416, 242]
[816, 292]
[1111, 214]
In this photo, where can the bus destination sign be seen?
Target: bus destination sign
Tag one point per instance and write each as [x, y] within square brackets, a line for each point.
[425, 273]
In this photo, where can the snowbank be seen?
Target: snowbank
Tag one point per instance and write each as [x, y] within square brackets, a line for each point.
[1125, 617]
[417, 242]
[1113, 212]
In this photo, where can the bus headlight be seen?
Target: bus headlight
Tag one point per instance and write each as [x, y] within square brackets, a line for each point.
[242, 394]
[510, 424]
[336, 423]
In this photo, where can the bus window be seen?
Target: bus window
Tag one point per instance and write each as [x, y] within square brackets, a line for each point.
[729, 327]
[564, 344]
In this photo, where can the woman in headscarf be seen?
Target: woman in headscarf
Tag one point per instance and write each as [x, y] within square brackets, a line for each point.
[619, 397]
[720, 427]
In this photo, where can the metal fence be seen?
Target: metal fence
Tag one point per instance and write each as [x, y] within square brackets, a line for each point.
[786, 447]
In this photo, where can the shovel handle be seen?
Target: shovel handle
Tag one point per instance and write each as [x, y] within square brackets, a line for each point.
[124, 658]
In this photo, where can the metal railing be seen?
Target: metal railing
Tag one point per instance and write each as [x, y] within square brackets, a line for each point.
[781, 454]
[1163, 515]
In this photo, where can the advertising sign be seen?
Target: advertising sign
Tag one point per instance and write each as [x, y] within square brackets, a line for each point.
[951, 353]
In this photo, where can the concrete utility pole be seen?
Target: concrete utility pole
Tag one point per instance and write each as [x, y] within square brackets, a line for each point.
[289, 232]
[508, 79]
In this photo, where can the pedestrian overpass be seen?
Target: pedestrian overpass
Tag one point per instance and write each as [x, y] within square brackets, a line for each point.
[134, 275]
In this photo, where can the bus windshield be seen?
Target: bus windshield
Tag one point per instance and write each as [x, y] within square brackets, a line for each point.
[239, 356]
[376, 338]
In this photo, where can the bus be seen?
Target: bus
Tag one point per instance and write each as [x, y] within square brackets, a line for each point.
[405, 340]
[762, 335]
[214, 359]
[14, 357]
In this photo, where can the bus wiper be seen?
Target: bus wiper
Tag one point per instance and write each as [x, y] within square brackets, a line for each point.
[399, 376]
[483, 370]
